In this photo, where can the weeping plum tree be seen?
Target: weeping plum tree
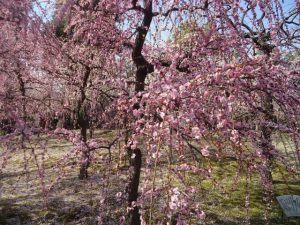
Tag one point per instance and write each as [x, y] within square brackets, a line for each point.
[43, 81]
[235, 62]
[81, 71]
[20, 81]
[226, 84]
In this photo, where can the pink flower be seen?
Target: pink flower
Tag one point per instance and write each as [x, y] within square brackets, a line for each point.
[201, 215]
[196, 132]
[118, 195]
[205, 151]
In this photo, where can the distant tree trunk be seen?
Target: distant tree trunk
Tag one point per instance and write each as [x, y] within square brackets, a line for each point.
[22, 90]
[83, 122]
[83, 172]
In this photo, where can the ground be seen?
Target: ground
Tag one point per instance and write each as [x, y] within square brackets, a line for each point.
[27, 199]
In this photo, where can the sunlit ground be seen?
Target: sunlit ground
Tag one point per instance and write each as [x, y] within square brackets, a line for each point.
[71, 201]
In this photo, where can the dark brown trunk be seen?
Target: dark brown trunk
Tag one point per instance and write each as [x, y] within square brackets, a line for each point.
[83, 123]
[266, 133]
[23, 94]
[143, 68]
[134, 178]
[22, 89]
[83, 172]
[267, 159]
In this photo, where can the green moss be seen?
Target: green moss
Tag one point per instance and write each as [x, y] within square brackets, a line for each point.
[223, 196]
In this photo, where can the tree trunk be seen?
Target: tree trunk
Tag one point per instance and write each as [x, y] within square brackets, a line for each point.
[266, 133]
[143, 68]
[83, 122]
[83, 172]
[267, 179]
[134, 180]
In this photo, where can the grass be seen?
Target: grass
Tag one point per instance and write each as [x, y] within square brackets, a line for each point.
[225, 203]
[71, 201]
